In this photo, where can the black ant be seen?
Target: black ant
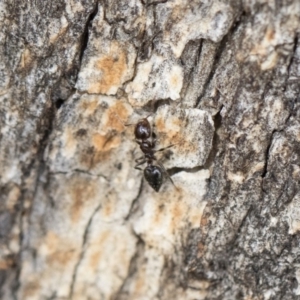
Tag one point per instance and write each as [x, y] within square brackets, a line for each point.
[147, 140]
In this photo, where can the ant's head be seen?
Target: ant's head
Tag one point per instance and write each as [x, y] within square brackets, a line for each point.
[142, 129]
[154, 176]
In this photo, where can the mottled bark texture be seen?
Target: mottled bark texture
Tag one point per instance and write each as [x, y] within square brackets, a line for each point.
[221, 80]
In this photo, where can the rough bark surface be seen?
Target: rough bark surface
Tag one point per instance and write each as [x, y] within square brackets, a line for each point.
[221, 80]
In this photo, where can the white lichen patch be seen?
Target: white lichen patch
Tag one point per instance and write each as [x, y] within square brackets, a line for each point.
[189, 130]
[158, 78]
[181, 22]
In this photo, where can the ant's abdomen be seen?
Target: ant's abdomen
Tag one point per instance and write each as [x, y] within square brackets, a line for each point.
[154, 176]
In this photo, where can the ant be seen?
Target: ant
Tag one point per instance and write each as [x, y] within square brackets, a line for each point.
[147, 141]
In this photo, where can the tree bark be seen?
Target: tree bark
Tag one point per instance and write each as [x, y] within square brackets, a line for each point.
[219, 82]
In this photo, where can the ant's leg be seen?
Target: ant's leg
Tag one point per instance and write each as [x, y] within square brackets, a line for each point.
[162, 149]
[139, 159]
[153, 142]
[129, 124]
[165, 171]
[140, 163]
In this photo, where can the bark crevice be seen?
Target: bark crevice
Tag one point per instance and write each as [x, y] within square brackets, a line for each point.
[134, 202]
[85, 36]
[83, 250]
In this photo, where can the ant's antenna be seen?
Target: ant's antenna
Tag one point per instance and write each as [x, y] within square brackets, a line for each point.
[121, 121]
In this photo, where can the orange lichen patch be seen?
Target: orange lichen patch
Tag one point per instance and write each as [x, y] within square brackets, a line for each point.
[89, 106]
[171, 131]
[160, 124]
[105, 142]
[180, 142]
[81, 192]
[166, 123]
[113, 67]
[102, 145]
[99, 141]
[98, 244]
[116, 116]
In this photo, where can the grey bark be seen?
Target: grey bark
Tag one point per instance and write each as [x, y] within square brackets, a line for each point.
[221, 80]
